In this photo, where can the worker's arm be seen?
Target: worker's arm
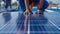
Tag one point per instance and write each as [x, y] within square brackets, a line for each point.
[26, 4]
[41, 4]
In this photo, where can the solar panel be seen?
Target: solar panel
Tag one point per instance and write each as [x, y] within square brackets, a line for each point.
[18, 23]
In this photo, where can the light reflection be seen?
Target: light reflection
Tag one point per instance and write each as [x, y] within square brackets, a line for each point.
[7, 17]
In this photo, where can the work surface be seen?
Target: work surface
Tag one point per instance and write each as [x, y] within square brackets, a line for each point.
[18, 23]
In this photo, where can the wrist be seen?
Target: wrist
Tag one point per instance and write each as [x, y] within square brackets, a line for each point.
[27, 8]
[41, 9]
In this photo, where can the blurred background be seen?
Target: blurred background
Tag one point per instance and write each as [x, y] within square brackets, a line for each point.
[52, 3]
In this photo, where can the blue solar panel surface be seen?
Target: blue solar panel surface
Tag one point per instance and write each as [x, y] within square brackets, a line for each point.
[18, 23]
